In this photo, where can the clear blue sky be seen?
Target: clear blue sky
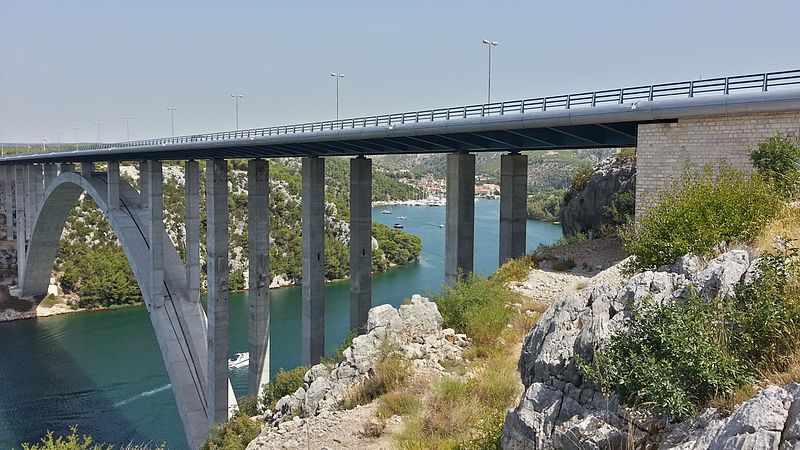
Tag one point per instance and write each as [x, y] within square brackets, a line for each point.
[71, 63]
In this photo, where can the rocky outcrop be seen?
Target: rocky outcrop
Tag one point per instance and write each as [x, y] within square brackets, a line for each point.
[560, 409]
[413, 331]
[587, 208]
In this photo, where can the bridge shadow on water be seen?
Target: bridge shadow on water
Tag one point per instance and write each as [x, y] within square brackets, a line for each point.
[101, 372]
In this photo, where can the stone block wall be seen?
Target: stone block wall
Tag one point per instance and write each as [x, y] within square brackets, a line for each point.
[664, 149]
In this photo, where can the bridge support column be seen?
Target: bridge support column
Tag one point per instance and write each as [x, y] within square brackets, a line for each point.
[217, 263]
[459, 239]
[258, 283]
[21, 194]
[30, 199]
[155, 221]
[513, 205]
[67, 167]
[143, 182]
[360, 241]
[313, 224]
[87, 169]
[8, 181]
[38, 190]
[113, 185]
[192, 201]
[50, 174]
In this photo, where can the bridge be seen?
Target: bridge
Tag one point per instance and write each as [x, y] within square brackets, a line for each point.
[699, 121]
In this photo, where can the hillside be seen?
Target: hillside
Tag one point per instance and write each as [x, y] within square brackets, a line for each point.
[90, 264]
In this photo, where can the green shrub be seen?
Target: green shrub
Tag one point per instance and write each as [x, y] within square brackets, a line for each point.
[698, 214]
[234, 434]
[765, 314]
[680, 356]
[475, 306]
[778, 160]
[71, 441]
[671, 357]
[283, 384]
[581, 178]
[622, 208]
[248, 405]
[626, 155]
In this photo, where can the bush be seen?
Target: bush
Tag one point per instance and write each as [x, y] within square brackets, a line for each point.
[475, 306]
[234, 434]
[670, 357]
[765, 314]
[698, 214]
[778, 160]
[248, 405]
[622, 208]
[581, 178]
[545, 204]
[283, 384]
[70, 442]
[679, 357]
[514, 270]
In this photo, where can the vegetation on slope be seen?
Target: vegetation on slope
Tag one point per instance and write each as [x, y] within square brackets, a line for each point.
[683, 356]
[91, 264]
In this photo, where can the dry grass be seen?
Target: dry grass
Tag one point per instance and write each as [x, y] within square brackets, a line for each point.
[514, 270]
[468, 411]
[787, 224]
[390, 372]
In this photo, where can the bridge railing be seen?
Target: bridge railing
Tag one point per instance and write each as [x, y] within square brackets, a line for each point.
[686, 89]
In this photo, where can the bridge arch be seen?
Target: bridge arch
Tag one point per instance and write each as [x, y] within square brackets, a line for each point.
[180, 325]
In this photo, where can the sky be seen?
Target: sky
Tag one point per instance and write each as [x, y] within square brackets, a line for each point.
[66, 64]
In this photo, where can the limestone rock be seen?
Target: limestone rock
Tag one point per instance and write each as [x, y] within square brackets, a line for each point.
[587, 210]
[722, 273]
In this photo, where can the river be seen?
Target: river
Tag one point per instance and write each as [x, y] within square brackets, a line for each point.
[103, 371]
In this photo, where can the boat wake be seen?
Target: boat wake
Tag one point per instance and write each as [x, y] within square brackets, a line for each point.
[142, 395]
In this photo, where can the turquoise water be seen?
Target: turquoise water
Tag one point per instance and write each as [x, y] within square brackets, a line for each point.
[103, 370]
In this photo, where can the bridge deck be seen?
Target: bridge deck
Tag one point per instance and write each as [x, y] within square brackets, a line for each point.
[585, 120]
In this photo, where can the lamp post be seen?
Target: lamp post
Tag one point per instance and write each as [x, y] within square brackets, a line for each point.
[337, 76]
[236, 98]
[76, 136]
[44, 141]
[127, 120]
[172, 110]
[99, 124]
[490, 44]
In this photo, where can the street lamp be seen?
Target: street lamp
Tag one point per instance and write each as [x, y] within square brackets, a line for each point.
[172, 110]
[76, 136]
[127, 120]
[99, 124]
[236, 98]
[490, 44]
[337, 76]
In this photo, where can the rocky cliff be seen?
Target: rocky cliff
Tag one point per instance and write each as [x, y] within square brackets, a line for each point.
[602, 199]
[561, 410]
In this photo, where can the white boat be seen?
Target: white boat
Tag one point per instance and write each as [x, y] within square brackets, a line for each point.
[239, 361]
[386, 211]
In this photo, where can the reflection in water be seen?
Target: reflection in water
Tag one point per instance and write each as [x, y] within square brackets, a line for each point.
[103, 371]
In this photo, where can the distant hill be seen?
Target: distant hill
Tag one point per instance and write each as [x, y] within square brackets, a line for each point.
[546, 169]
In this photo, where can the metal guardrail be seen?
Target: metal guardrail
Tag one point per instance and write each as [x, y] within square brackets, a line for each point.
[685, 89]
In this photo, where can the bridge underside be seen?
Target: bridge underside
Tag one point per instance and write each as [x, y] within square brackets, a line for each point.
[619, 134]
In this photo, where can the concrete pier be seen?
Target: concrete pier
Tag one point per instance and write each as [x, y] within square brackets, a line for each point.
[87, 169]
[155, 232]
[30, 199]
[50, 174]
[513, 205]
[459, 239]
[258, 282]
[313, 225]
[192, 219]
[360, 241]
[113, 184]
[8, 206]
[67, 167]
[142, 182]
[217, 272]
[20, 192]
